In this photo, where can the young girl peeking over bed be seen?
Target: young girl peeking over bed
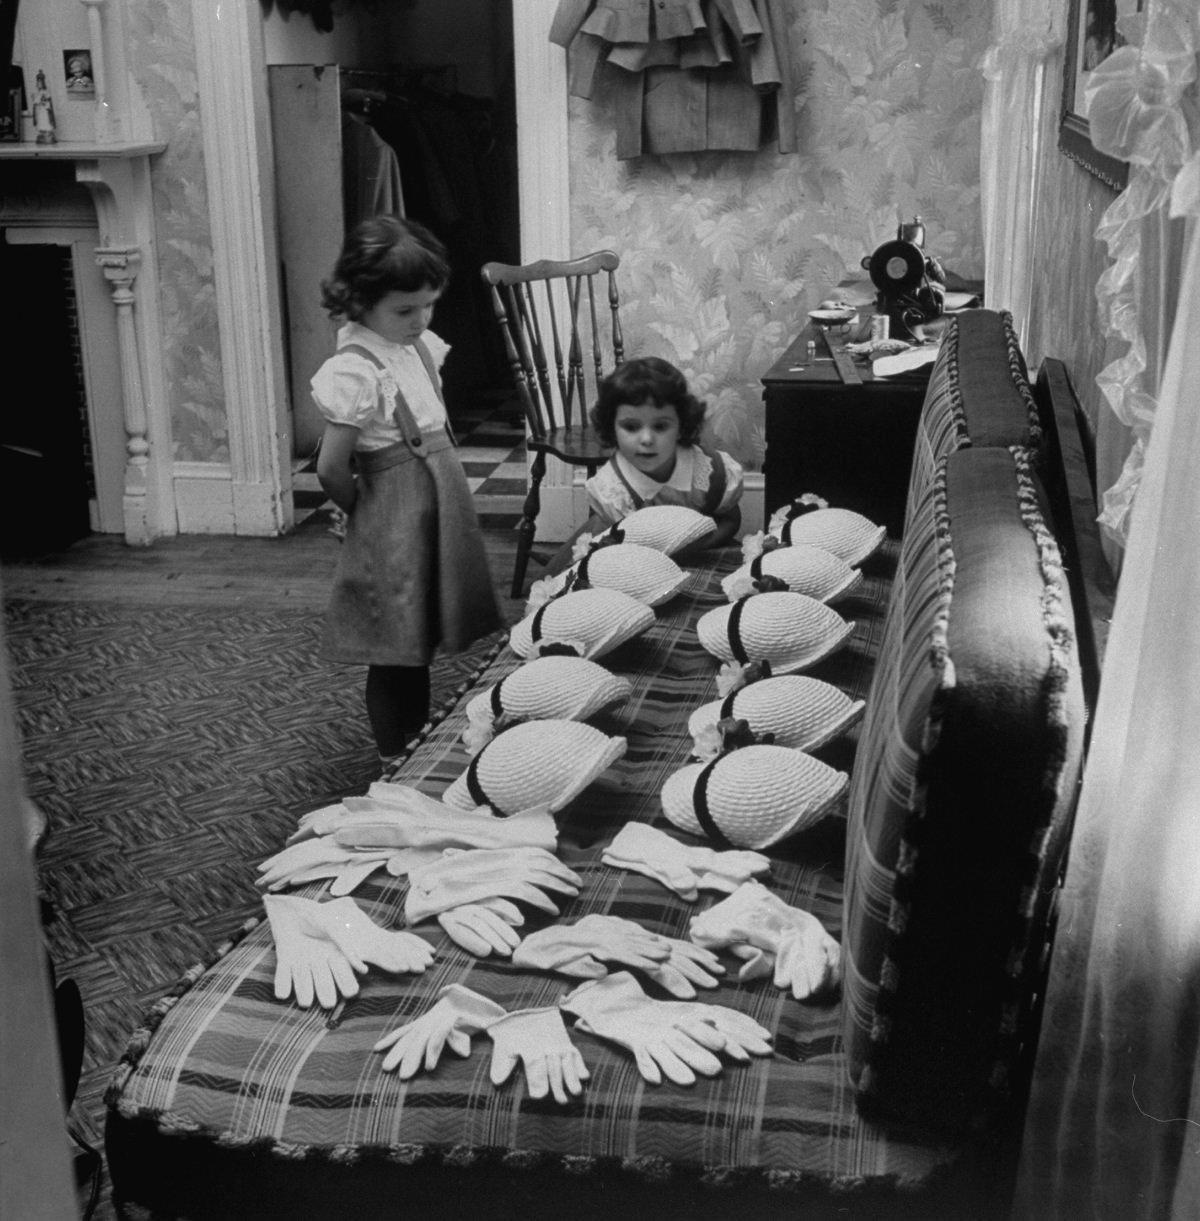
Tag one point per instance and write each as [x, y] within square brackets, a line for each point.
[645, 410]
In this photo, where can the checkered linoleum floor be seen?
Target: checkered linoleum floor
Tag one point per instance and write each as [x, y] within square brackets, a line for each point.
[492, 449]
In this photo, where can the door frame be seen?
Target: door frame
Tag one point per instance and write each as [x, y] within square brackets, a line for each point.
[544, 185]
[238, 153]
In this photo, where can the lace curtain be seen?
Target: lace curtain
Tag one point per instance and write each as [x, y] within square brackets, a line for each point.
[1113, 1126]
[1141, 108]
[1025, 34]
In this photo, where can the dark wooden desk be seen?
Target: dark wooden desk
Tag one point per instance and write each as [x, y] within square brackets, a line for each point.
[853, 445]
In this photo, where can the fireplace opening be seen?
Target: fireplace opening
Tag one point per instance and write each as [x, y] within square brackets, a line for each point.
[47, 474]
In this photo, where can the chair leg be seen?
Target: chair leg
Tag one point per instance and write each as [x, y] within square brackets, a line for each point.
[528, 524]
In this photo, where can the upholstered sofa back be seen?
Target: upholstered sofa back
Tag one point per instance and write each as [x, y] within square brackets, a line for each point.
[979, 394]
[964, 783]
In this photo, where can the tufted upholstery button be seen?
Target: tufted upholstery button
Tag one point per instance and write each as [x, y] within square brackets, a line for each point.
[416, 440]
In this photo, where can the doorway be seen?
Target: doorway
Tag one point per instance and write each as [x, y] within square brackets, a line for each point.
[436, 86]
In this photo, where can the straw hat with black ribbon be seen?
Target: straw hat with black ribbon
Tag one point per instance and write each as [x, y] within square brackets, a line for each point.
[546, 688]
[536, 763]
[589, 622]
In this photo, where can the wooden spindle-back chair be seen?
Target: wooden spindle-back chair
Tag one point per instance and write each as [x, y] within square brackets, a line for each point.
[559, 347]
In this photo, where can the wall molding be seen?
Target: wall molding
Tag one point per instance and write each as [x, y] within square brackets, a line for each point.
[235, 124]
[543, 172]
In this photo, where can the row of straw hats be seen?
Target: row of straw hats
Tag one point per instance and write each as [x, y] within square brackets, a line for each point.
[764, 785]
[760, 793]
[547, 753]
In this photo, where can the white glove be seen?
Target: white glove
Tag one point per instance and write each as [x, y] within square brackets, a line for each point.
[584, 948]
[685, 969]
[319, 947]
[322, 821]
[484, 928]
[424, 822]
[685, 870]
[791, 943]
[454, 1018]
[524, 874]
[313, 859]
[675, 1039]
[307, 963]
[538, 1039]
[364, 942]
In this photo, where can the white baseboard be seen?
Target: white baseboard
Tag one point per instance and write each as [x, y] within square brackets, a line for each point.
[203, 497]
[208, 501]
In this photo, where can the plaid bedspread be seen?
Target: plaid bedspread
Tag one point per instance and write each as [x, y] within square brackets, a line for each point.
[226, 1064]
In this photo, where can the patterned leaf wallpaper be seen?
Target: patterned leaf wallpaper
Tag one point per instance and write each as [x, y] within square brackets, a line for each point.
[723, 254]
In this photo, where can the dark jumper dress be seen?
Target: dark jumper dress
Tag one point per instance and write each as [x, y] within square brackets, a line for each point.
[412, 573]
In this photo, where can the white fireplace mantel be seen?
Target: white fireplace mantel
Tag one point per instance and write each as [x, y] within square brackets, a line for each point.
[117, 176]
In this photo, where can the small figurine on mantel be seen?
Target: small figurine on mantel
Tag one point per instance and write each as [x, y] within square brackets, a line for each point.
[43, 113]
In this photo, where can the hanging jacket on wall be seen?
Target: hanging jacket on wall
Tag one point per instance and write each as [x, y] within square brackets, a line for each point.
[684, 75]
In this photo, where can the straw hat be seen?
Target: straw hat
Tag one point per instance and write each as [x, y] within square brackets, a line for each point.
[593, 621]
[849, 535]
[547, 688]
[805, 570]
[803, 713]
[790, 631]
[644, 573]
[547, 762]
[752, 797]
[667, 528]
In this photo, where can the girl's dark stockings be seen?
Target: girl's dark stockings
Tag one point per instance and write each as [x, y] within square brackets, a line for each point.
[397, 705]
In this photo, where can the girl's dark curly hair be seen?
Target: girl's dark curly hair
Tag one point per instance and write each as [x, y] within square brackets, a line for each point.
[647, 380]
[383, 255]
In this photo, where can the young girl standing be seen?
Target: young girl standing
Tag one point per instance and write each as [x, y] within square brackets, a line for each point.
[412, 573]
[645, 410]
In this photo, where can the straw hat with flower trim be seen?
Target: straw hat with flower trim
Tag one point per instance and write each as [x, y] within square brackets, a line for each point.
[546, 688]
[643, 573]
[809, 519]
[592, 622]
[803, 569]
[797, 711]
[788, 631]
[536, 763]
[752, 797]
[667, 528]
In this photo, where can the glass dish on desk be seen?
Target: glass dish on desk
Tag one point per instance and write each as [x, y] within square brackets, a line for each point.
[833, 319]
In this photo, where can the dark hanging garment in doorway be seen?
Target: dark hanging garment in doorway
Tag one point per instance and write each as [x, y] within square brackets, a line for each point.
[442, 140]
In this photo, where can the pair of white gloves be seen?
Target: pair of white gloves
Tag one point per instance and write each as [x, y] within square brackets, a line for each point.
[772, 939]
[536, 1039]
[474, 894]
[321, 948]
[756, 926]
[686, 870]
[669, 1039]
[585, 949]
[394, 827]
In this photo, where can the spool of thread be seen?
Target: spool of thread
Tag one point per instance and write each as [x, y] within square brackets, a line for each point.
[879, 326]
[811, 349]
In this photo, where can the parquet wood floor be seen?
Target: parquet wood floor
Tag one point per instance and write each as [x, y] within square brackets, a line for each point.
[202, 570]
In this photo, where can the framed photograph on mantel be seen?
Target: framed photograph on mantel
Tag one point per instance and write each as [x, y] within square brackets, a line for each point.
[1092, 36]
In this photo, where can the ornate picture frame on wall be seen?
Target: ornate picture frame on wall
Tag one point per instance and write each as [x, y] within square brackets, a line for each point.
[1092, 35]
